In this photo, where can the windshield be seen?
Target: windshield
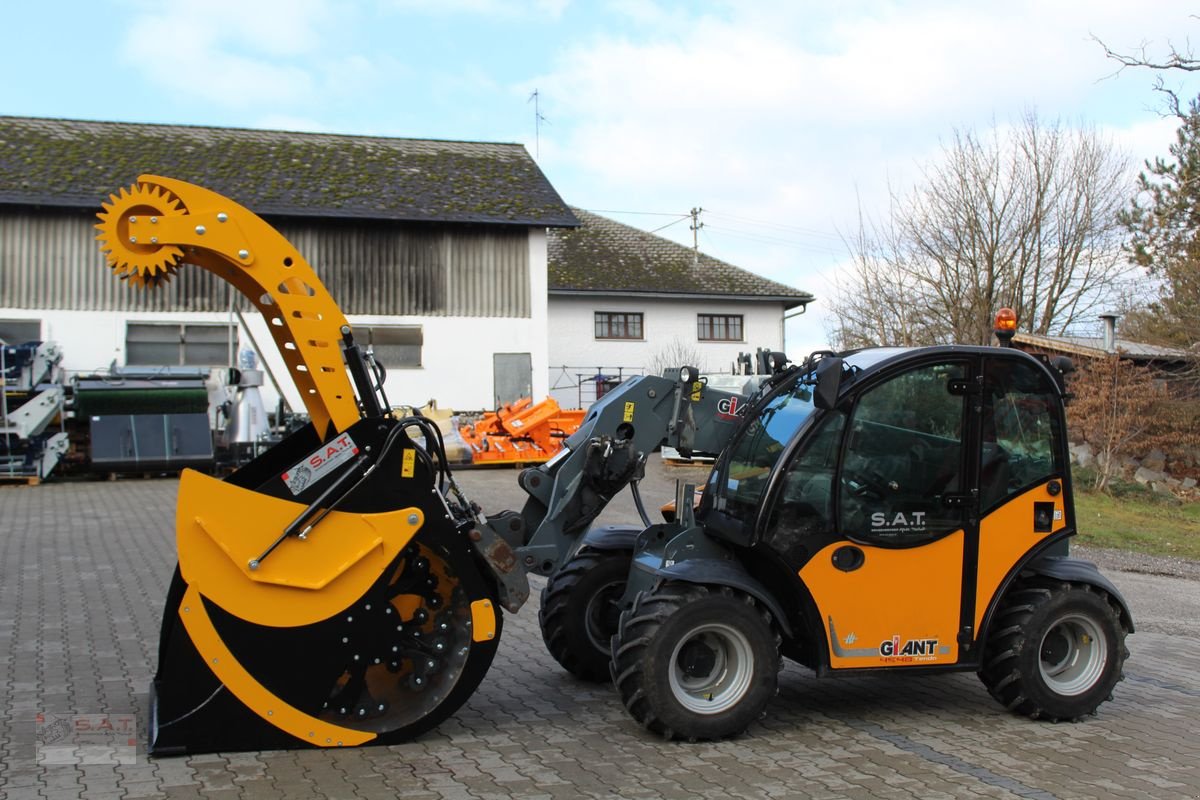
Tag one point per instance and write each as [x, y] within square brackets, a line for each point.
[753, 456]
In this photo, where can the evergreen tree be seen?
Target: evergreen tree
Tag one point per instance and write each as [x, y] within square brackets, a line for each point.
[1164, 224]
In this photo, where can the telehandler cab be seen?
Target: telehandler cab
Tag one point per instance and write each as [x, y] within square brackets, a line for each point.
[885, 509]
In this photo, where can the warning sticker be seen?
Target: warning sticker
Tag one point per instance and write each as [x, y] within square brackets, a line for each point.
[320, 463]
[628, 415]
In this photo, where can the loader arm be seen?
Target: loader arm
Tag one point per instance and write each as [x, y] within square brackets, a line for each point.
[608, 452]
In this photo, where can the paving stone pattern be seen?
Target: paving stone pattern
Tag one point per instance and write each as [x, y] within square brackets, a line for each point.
[84, 568]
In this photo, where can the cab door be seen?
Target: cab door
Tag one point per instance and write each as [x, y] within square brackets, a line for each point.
[890, 586]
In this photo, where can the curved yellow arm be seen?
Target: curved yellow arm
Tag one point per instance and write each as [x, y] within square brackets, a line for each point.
[146, 231]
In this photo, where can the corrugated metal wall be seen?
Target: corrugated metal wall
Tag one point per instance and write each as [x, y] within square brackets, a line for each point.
[50, 260]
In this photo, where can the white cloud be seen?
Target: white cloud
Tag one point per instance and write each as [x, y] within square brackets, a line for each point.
[775, 113]
[232, 53]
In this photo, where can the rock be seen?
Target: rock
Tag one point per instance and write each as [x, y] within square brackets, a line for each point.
[1156, 459]
[1144, 476]
[1173, 483]
[1083, 454]
[1189, 483]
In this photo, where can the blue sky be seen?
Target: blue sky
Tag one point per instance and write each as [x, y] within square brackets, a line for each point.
[779, 118]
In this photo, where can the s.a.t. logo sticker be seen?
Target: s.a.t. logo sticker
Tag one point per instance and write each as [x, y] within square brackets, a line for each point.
[319, 463]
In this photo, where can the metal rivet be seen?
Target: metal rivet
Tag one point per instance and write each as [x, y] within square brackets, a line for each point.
[270, 713]
[222, 217]
[133, 240]
[200, 230]
[345, 640]
[368, 606]
[153, 240]
[413, 519]
[133, 219]
[153, 220]
[243, 254]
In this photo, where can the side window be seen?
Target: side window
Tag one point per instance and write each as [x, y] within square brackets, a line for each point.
[1022, 432]
[803, 506]
[902, 457]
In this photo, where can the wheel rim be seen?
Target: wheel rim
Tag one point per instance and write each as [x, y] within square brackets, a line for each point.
[1072, 655]
[602, 614]
[711, 668]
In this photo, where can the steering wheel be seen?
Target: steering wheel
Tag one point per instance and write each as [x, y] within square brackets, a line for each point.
[867, 484]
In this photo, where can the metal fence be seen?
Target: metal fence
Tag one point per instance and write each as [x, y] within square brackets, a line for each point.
[580, 386]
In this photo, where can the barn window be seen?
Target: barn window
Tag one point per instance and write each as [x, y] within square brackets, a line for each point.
[719, 327]
[393, 345]
[618, 325]
[174, 344]
[20, 331]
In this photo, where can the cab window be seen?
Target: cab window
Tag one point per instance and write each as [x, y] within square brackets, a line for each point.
[903, 457]
[754, 454]
[803, 506]
[1022, 432]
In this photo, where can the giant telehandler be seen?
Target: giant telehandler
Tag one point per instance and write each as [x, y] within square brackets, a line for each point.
[885, 509]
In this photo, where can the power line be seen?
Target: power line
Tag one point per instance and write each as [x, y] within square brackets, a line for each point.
[645, 213]
[682, 217]
[761, 238]
[777, 225]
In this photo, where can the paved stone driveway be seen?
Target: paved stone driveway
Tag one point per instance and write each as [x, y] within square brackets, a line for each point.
[84, 568]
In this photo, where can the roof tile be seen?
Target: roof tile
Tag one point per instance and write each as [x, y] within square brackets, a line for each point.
[75, 163]
[603, 255]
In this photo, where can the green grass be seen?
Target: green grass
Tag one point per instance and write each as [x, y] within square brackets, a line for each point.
[1137, 520]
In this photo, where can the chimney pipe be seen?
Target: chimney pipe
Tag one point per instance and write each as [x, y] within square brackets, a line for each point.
[1110, 332]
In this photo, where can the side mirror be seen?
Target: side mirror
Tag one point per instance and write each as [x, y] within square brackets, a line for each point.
[829, 380]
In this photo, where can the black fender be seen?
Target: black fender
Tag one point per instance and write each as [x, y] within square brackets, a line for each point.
[719, 572]
[611, 537]
[1076, 570]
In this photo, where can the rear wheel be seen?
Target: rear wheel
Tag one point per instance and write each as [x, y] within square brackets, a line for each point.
[1056, 651]
[580, 610]
[695, 662]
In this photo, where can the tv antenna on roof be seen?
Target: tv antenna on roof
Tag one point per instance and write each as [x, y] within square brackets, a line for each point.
[538, 119]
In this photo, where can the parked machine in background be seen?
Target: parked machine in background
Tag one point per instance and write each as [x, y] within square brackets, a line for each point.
[31, 423]
[145, 420]
[891, 509]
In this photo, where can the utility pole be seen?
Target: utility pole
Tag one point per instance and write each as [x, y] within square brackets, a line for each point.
[696, 226]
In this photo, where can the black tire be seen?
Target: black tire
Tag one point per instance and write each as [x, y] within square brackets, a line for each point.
[1056, 650]
[580, 610]
[682, 647]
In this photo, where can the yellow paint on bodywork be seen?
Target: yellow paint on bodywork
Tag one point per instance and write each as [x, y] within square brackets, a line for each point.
[913, 593]
[1005, 536]
[220, 528]
[245, 688]
[483, 621]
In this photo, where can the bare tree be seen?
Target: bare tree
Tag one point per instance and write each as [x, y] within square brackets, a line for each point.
[1175, 59]
[1022, 217]
[670, 357]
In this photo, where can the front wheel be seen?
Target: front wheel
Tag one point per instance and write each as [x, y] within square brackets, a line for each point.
[580, 609]
[1056, 651]
[695, 662]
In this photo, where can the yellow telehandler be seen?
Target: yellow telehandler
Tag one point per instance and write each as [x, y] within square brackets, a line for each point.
[884, 509]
